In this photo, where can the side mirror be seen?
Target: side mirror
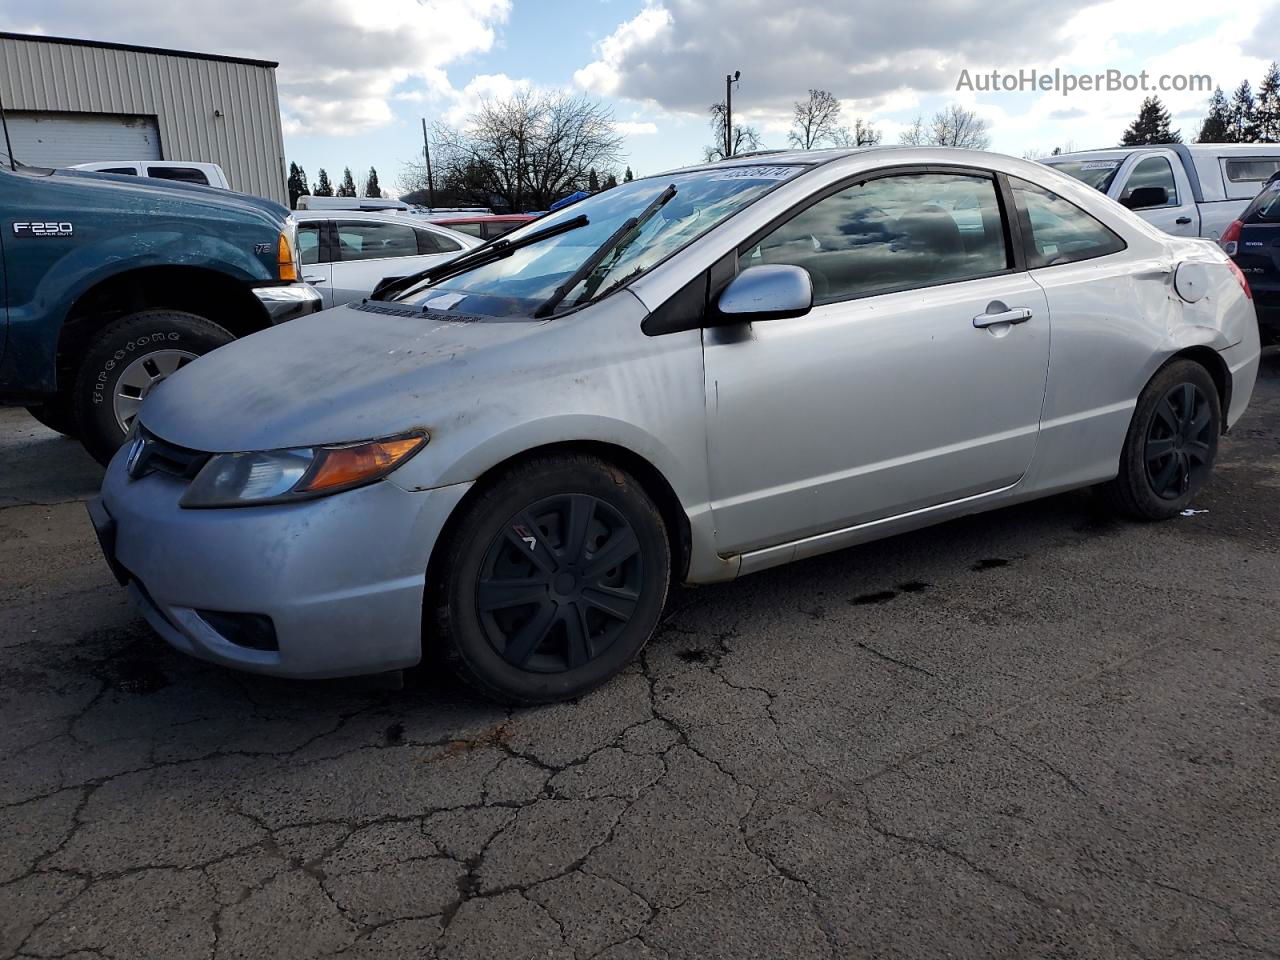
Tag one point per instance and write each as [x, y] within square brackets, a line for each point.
[1143, 197]
[772, 291]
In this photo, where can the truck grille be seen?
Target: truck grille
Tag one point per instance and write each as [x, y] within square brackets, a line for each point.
[150, 454]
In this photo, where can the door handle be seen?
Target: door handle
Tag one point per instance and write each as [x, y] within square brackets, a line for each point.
[991, 318]
[313, 279]
[1183, 221]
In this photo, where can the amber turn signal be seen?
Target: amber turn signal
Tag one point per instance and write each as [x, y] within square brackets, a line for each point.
[359, 463]
[288, 265]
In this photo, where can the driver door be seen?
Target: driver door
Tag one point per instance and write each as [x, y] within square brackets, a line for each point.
[917, 378]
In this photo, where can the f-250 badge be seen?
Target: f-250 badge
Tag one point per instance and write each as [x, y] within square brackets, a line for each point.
[47, 228]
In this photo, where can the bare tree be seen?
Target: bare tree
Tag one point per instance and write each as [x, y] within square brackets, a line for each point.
[915, 135]
[862, 135]
[522, 152]
[745, 138]
[957, 127]
[815, 120]
[952, 127]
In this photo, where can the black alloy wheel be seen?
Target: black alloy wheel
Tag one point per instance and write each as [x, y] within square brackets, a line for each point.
[1179, 442]
[551, 579]
[559, 583]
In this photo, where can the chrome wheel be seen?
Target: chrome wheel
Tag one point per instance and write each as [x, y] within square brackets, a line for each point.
[1179, 442]
[560, 583]
[139, 379]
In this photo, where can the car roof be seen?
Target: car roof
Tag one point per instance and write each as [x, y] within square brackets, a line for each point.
[486, 218]
[380, 216]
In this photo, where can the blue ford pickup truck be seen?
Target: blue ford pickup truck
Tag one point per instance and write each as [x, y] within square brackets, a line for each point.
[110, 283]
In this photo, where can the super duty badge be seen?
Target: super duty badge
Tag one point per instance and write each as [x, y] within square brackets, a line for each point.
[48, 228]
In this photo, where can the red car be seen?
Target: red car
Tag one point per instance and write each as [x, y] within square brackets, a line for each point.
[485, 226]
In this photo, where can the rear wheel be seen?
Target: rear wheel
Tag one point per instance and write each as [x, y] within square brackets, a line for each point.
[125, 363]
[553, 580]
[1171, 445]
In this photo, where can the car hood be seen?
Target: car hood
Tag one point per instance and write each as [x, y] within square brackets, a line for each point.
[352, 373]
[153, 189]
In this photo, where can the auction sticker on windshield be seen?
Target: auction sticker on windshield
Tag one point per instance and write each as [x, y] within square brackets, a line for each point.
[756, 173]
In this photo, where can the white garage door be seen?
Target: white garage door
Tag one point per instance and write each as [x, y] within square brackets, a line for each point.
[51, 139]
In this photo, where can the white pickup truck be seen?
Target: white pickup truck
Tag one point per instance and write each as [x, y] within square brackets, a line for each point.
[1193, 190]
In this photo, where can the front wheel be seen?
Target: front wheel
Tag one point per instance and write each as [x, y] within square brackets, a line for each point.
[124, 364]
[1171, 445]
[553, 580]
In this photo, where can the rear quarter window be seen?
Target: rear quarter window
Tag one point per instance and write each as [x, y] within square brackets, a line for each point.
[1055, 231]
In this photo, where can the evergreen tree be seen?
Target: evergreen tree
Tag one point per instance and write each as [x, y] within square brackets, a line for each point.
[297, 184]
[1244, 127]
[1267, 112]
[610, 182]
[348, 187]
[1216, 127]
[628, 176]
[593, 181]
[371, 186]
[323, 187]
[1152, 126]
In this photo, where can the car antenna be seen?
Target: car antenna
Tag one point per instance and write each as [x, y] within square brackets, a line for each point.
[8, 144]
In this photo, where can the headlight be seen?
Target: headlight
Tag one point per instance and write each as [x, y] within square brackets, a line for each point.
[278, 476]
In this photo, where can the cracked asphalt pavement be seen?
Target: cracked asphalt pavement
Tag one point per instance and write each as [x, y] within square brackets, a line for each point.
[1036, 733]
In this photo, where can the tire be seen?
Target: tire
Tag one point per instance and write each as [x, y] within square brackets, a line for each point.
[129, 357]
[1169, 451]
[528, 549]
[56, 414]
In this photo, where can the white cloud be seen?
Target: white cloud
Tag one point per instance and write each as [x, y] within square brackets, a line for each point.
[674, 52]
[341, 61]
[635, 128]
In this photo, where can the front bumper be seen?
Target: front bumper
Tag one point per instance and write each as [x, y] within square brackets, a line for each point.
[289, 301]
[341, 577]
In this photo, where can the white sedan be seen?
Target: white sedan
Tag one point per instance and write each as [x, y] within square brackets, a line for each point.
[346, 253]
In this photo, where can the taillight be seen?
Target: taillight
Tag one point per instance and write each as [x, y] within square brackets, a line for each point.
[1230, 239]
[1239, 274]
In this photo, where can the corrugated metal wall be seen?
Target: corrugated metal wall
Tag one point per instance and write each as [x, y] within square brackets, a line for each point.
[222, 111]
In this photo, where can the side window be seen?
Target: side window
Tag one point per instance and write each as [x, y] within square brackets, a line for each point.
[496, 228]
[893, 233]
[373, 240]
[1056, 231]
[1249, 171]
[432, 242]
[126, 171]
[1152, 172]
[472, 229]
[309, 242]
[181, 174]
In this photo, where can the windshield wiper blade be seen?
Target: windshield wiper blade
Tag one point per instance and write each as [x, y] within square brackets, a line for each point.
[477, 257]
[602, 251]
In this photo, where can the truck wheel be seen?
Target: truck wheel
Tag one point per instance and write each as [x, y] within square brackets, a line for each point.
[125, 362]
[56, 414]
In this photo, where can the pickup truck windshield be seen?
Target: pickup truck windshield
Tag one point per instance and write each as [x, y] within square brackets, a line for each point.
[515, 286]
[1096, 173]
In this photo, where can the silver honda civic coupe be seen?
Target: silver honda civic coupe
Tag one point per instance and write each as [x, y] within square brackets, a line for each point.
[685, 378]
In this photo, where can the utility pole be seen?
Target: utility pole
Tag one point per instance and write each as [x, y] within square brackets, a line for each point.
[426, 153]
[729, 81]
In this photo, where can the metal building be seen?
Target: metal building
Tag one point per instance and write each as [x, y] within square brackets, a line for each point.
[79, 101]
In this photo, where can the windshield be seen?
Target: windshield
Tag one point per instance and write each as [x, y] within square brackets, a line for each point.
[1096, 173]
[515, 286]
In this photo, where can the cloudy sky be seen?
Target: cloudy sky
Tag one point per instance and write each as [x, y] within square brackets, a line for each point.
[356, 76]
